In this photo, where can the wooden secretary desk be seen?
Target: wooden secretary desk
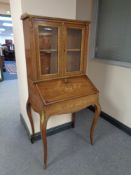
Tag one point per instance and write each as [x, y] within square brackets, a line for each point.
[56, 52]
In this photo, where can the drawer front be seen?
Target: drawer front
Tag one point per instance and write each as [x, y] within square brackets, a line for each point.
[73, 105]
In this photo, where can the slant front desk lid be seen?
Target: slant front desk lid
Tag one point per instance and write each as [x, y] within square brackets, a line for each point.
[57, 90]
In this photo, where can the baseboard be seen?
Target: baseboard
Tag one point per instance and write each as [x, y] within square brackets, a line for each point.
[25, 125]
[113, 121]
[66, 126]
[50, 131]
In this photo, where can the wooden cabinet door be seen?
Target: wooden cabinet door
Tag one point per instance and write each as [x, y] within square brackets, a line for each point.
[48, 39]
[75, 48]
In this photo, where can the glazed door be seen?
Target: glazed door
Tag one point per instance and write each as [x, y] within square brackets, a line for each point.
[48, 54]
[74, 49]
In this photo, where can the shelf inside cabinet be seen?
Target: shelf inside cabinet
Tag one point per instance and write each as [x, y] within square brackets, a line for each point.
[45, 34]
[48, 50]
[73, 50]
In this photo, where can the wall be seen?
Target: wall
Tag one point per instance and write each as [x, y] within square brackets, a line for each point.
[114, 82]
[83, 9]
[4, 7]
[55, 8]
[20, 54]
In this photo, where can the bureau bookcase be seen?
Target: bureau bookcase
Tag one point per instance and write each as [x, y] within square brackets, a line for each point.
[56, 59]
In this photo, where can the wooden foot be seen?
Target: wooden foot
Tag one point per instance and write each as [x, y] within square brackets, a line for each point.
[95, 118]
[73, 119]
[43, 123]
[28, 108]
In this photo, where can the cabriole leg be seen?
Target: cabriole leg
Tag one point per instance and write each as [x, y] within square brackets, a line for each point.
[28, 108]
[43, 124]
[95, 118]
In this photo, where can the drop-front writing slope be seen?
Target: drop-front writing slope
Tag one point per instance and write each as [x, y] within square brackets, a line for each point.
[56, 52]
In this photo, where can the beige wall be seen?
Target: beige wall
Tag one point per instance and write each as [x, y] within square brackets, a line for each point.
[114, 82]
[4, 7]
[20, 54]
[55, 8]
[83, 9]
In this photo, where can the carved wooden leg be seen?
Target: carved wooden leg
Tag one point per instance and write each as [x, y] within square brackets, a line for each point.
[28, 108]
[73, 119]
[43, 123]
[96, 116]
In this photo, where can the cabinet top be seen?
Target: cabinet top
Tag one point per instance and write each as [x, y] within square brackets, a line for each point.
[26, 15]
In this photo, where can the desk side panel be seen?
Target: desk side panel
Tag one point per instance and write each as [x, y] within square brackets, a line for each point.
[30, 50]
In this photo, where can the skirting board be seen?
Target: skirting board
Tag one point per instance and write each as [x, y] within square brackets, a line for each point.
[66, 126]
[113, 121]
[50, 131]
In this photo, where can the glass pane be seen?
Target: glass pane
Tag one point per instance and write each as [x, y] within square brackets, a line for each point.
[48, 43]
[73, 51]
[74, 37]
[73, 61]
[113, 41]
